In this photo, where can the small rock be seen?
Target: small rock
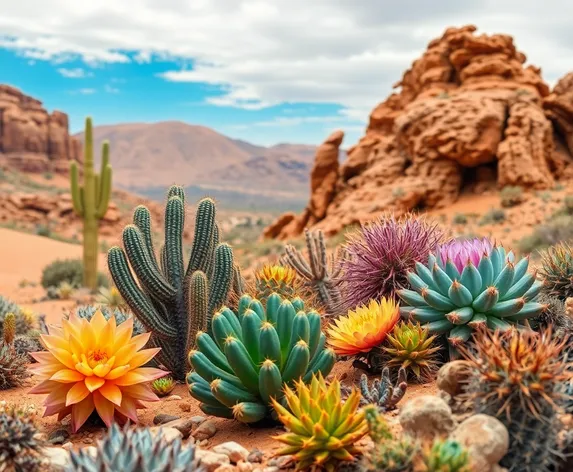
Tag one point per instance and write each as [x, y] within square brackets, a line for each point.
[211, 460]
[169, 434]
[225, 468]
[184, 425]
[186, 407]
[255, 456]
[233, 451]
[245, 466]
[205, 430]
[68, 446]
[452, 377]
[172, 398]
[485, 437]
[162, 418]
[283, 462]
[197, 420]
[203, 443]
[426, 416]
[271, 469]
[57, 458]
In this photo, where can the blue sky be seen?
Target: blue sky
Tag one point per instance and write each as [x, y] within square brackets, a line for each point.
[264, 71]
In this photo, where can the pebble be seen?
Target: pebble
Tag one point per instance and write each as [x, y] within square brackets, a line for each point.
[271, 469]
[203, 443]
[255, 456]
[426, 417]
[205, 430]
[169, 434]
[57, 458]
[172, 398]
[234, 451]
[68, 446]
[184, 425]
[162, 418]
[197, 420]
[486, 439]
[211, 460]
[452, 377]
[282, 462]
[87, 440]
[225, 468]
[245, 466]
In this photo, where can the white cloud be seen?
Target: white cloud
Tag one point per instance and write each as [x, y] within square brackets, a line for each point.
[109, 89]
[77, 73]
[83, 91]
[280, 51]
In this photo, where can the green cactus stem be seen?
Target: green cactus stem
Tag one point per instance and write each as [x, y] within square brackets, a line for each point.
[172, 302]
[91, 201]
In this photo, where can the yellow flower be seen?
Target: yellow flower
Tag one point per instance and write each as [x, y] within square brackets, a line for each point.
[94, 365]
[364, 328]
[277, 274]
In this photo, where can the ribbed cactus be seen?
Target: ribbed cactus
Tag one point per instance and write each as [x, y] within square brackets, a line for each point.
[251, 356]
[172, 302]
[91, 201]
[321, 277]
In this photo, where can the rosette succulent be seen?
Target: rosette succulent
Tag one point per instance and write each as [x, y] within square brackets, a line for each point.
[470, 284]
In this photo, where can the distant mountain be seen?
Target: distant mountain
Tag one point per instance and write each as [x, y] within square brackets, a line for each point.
[147, 158]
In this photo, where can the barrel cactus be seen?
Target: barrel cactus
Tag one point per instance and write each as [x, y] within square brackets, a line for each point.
[250, 356]
[470, 284]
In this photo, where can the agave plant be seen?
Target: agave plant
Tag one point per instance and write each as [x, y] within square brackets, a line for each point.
[468, 284]
[250, 356]
[322, 429]
[363, 329]
[136, 450]
[95, 365]
[381, 254]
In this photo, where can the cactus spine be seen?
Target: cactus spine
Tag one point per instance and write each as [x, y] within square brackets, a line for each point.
[172, 302]
[90, 201]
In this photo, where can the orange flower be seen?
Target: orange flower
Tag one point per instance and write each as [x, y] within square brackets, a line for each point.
[364, 328]
[95, 365]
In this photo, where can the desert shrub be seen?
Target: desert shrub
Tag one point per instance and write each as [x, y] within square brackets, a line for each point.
[511, 196]
[459, 219]
[398, 192]
[552, 232]
[493, 216]
[67, 270]
[43, 230]
[545, 196]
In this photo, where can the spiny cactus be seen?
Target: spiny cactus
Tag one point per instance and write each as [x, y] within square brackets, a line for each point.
[88, 311]
[520, 377]
[64, 291]
[250, 356]
[382, 393]
[555, 316]
[275, 279]
[322, 429]
[25, 319]
[171, 302]
[321, 278]
[13, 369]
[557, 271]
[9, 333]
[136, 450]
[447, 456]
[24, 345]
[90, 201]
[163, 386]
[469, 284]
[19, 445]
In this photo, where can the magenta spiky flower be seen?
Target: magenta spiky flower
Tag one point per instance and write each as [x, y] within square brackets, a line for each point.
[461, 251]
[380, 255]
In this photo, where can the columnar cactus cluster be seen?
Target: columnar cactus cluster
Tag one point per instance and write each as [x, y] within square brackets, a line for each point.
[174, 303]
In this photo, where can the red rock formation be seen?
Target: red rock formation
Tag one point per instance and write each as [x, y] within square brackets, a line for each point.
[31, 139]
[467, 103]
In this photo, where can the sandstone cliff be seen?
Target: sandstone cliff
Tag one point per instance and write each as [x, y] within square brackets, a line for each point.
[31, 139]
[469, 114]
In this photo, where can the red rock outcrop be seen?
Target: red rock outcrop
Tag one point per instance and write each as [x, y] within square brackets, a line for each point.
[469, 113]
[31, 139]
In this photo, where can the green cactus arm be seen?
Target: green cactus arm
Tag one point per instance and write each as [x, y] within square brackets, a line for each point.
[104, 192]
[204, 235]
[152, 280]
[134, 296]
[238, 281]
[142, 219]
[222, 277]
[76, 190]
[198, 306]
[174, 223]
[210, 260]
[97, 179]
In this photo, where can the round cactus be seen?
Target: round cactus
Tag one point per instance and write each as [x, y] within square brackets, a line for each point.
[469, 284]
[250, 356]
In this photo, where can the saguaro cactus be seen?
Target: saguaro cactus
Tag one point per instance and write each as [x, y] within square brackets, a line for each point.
[91, 201]
[172, 302]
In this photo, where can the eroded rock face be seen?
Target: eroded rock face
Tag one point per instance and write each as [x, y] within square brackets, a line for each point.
[31, 139]
[468, 105]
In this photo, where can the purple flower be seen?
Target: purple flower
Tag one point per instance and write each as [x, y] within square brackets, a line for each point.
[462, 251]
[381, 254]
